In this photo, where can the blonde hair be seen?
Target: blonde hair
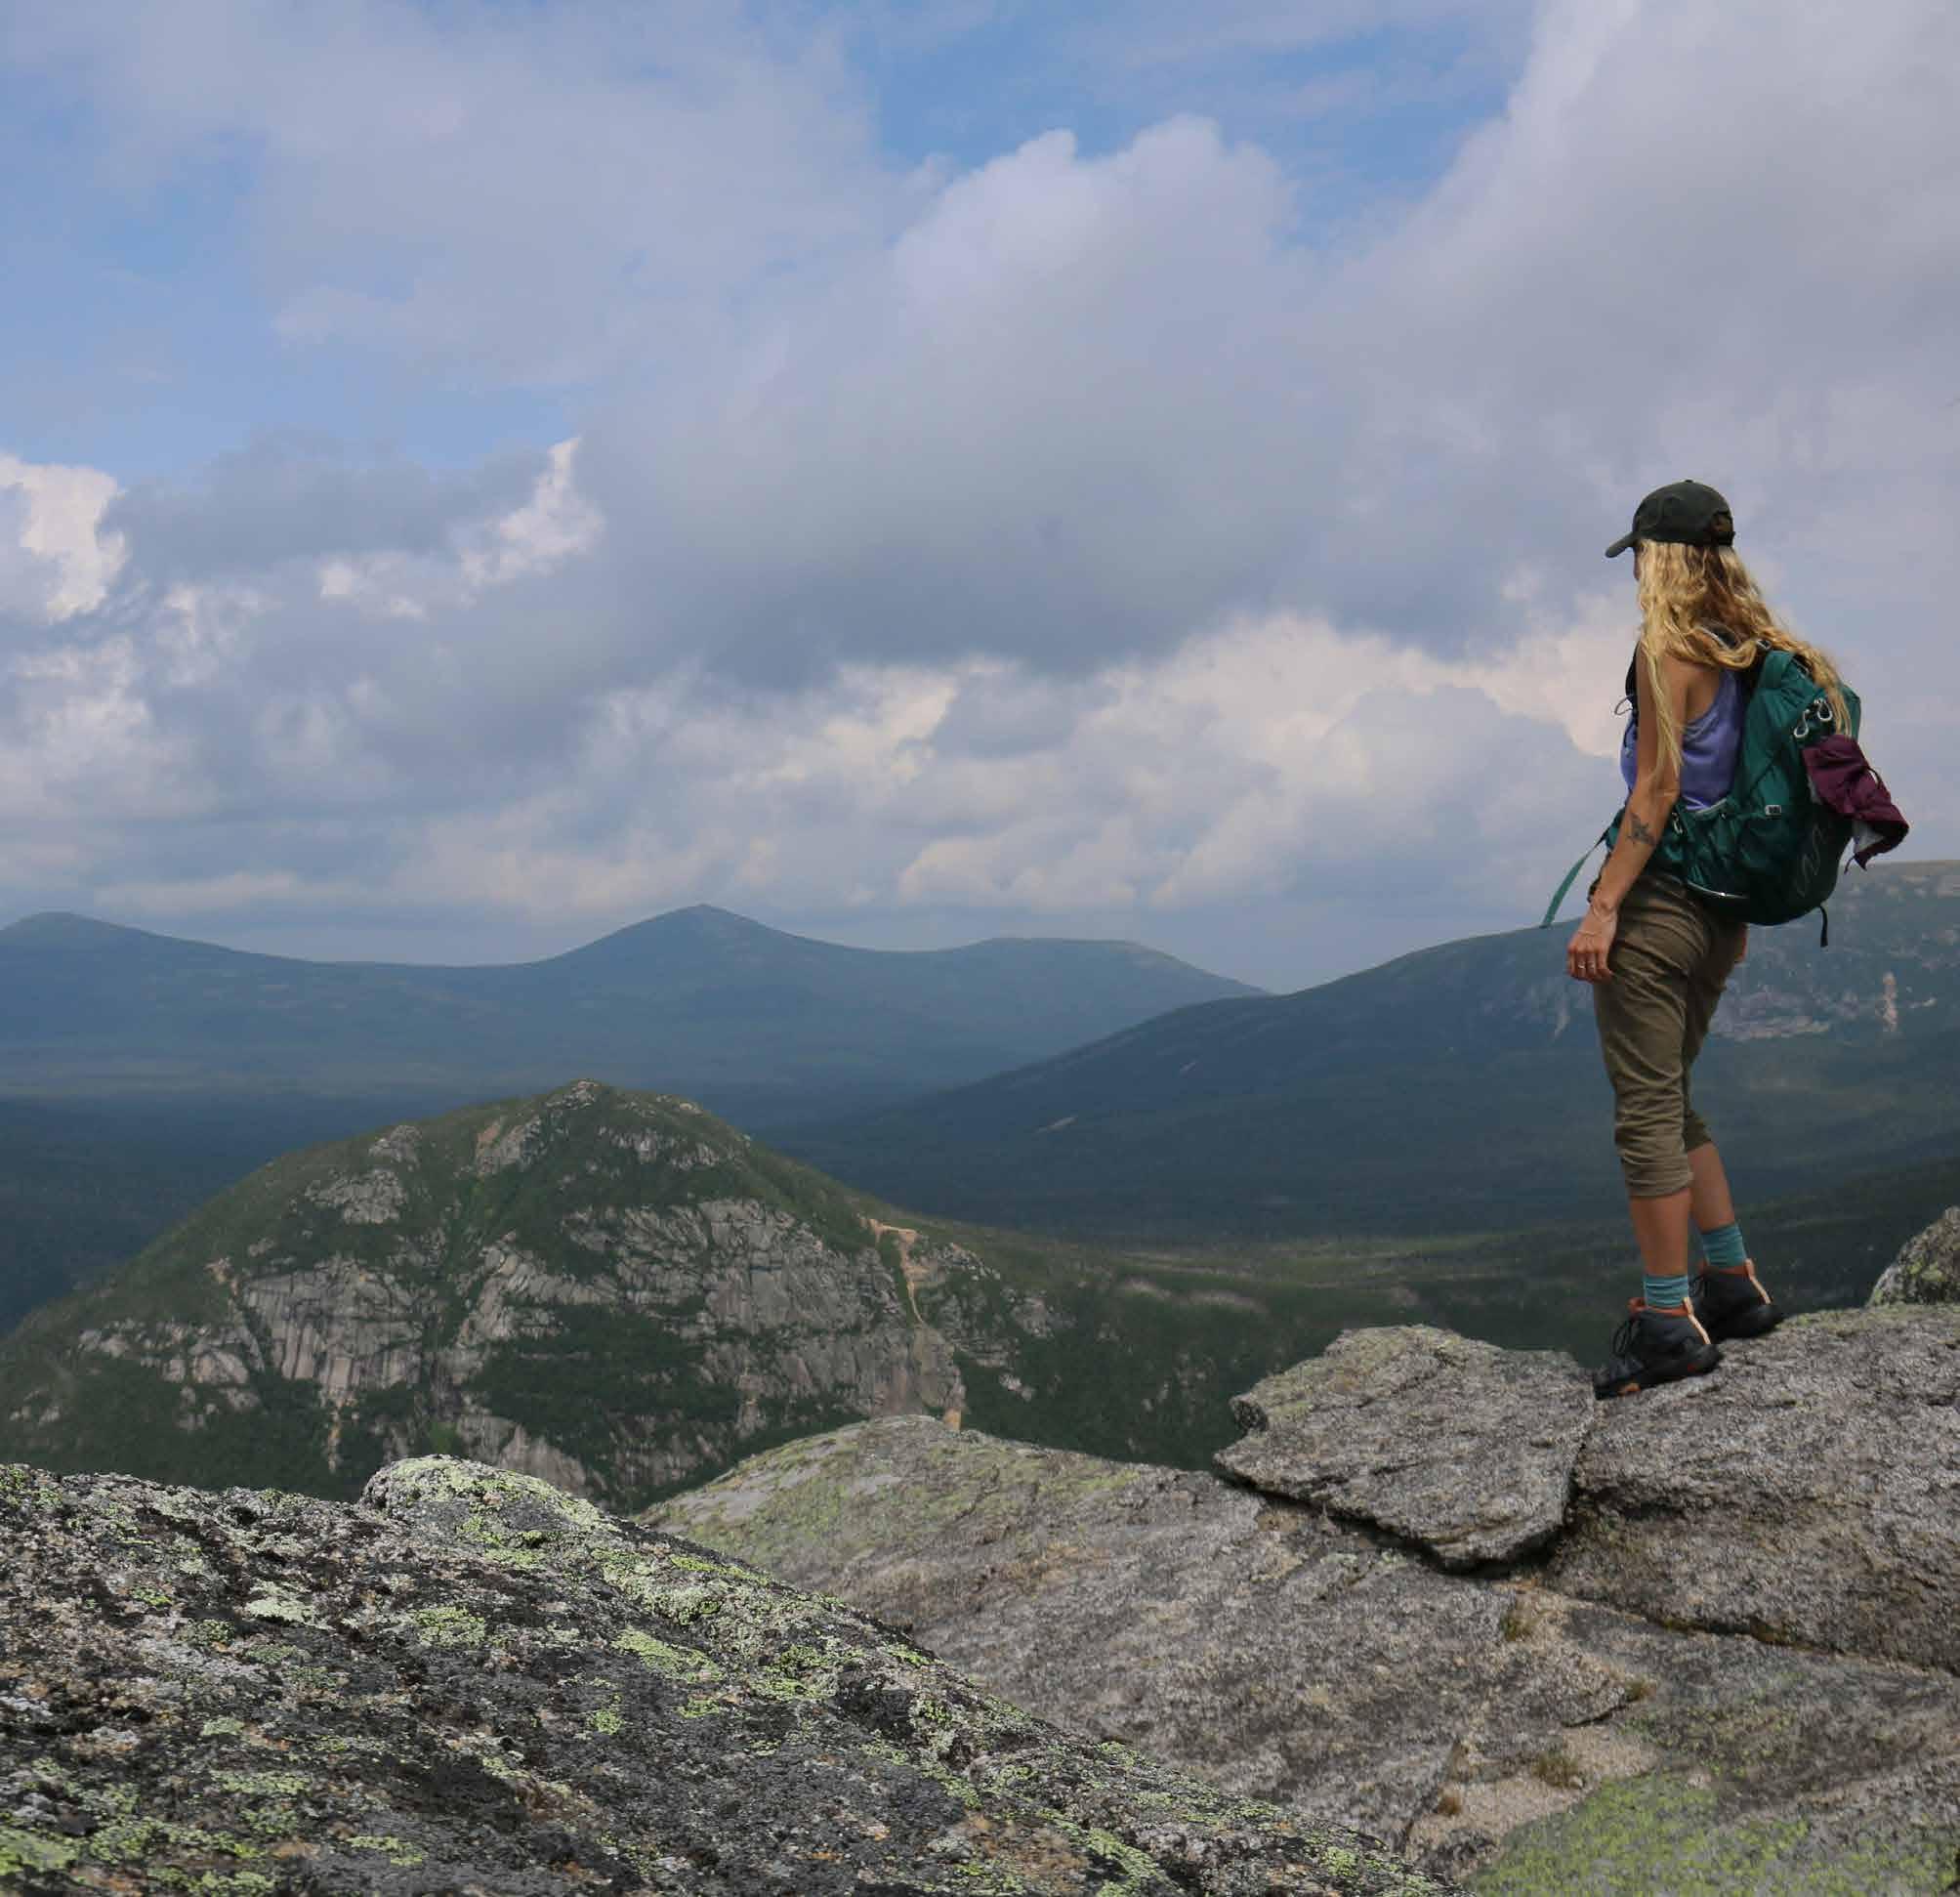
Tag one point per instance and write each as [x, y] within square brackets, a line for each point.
[1685, 593]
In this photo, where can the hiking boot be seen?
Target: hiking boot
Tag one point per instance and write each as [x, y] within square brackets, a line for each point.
[1655, 1346]
[1730, 1302]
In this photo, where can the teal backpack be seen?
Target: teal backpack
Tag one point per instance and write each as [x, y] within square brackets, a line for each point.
[1770, 851]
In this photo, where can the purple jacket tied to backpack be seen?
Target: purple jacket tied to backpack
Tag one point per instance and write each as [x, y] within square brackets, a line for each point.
[1842, 778]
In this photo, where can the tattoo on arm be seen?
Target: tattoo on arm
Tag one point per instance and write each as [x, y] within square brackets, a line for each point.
[1641, 832]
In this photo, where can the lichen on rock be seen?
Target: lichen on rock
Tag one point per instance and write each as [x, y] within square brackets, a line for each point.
[476, 1682]
[1927, 1269]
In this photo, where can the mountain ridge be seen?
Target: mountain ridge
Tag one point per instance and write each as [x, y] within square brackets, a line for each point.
[69, 925]
[755, 1020]
[1459, 1083]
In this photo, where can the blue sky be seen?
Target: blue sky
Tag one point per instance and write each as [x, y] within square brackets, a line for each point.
[473, 474]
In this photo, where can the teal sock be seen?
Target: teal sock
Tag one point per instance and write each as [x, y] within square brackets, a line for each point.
[1669, 1291]
[1724, 1248]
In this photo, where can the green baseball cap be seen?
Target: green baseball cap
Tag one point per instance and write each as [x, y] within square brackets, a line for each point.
[1688, 513]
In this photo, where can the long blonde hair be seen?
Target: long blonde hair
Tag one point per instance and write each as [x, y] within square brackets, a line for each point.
[1685, 594]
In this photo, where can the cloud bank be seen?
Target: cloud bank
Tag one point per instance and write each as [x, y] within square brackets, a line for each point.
[1109, 539]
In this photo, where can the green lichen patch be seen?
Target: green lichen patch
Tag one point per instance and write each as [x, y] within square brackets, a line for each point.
[448, 1626]
[24, 1850]
[397, 1851]
[266, 1785]
[657, 1657]
[682, 1605]
[272, 1602]
[1660, 1836]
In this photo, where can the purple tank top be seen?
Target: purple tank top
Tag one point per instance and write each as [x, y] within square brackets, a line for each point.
[1708, 746]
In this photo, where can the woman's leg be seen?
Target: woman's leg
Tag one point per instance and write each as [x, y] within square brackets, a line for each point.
[1713, 1208]
[1660, 1230]
[1646, 1021]
[1649, 1018]
[1713, 1204]
[1729, 1298]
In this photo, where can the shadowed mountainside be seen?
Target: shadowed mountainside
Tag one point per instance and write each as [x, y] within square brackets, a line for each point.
[1458, 1089]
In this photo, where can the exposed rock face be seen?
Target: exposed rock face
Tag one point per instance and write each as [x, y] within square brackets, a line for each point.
[478, 1683]
[613, 1291]
[1461, 1445]
[1887, 986]
[1808, 1493]
[1732, 1666]
[1927, 1269]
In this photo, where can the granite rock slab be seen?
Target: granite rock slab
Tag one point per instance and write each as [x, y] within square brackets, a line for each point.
[1461, 1447]
[1807, 1492]
[1489, 1729]
[1261, 1645]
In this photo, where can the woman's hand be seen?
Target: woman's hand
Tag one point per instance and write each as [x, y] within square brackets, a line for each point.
[1591, 944]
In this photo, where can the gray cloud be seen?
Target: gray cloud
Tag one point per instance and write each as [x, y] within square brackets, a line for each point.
[285, 497]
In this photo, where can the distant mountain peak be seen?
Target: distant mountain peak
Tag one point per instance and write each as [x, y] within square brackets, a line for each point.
[50, 923]
[54, 927]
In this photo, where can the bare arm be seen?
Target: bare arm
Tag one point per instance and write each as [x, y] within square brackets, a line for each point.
[1655, 792]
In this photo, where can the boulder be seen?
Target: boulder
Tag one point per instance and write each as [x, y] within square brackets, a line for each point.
[1459, 1445]
[480, 1683]
[1927, 1269]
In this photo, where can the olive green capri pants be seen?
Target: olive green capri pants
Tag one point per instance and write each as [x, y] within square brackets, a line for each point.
[1670, 961]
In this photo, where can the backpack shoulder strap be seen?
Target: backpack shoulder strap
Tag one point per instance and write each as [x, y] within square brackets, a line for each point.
[1572, 875]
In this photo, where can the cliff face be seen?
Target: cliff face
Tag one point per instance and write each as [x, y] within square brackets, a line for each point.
[1705, 1640]
[477, 1683]
[611, 1291]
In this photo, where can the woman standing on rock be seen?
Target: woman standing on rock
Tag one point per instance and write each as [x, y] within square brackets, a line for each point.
[1658, 959]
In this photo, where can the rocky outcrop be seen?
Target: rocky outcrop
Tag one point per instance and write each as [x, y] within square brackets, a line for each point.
[476, 1682]
[1457, 1445]
[1927, 1269]
[1727, 1663]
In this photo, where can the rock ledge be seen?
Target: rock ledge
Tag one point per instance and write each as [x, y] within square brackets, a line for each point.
[1723, 1651]
[1459, 1445]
